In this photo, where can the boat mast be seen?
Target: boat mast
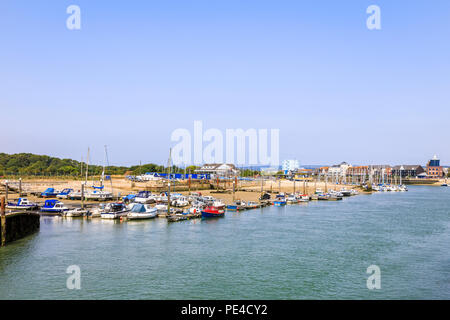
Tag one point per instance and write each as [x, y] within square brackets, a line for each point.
[87, 167]
[169, 165]
[107, 162]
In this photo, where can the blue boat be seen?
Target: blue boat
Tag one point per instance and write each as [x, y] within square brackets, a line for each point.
[49, 193]
[280, 200]
[53, 207]
[22, 204]
[64, 194]
[129, 198]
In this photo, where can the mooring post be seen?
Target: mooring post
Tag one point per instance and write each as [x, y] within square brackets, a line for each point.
[20, 187]
[3, 221]
[6, 190]
[82, 195]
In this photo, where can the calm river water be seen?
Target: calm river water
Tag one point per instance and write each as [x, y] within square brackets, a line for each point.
[318, 250]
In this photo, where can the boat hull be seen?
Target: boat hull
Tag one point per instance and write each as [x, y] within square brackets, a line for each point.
[141, 216]
[207, 214]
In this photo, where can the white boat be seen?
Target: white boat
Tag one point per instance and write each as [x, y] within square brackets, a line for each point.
[22, 204]
[114, 211]
[345, 192]
[144, 197]
[319, 191]
[53, 207]
[78, 212]
[304, 198]
[218, 204]
[181, 201]
[291, 199]
[162, 198]
[74, 195]
[142, 211]
[99, 195]
[64, 194]
[161, 207]
[197, 208]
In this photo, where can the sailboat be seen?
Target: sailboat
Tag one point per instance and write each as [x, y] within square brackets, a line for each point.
[99, 193]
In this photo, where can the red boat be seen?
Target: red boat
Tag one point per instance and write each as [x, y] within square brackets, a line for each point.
[212, 212]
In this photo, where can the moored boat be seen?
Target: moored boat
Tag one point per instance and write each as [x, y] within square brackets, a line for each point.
[213, 212]
[22, 204]
[253, 205]
[49, 193]
[77, 212]
[141, 211]
[64, 194]
[304, 198]
[237, 206]
[280, 200]
[144, 197]
[114, 211]
[53, 207]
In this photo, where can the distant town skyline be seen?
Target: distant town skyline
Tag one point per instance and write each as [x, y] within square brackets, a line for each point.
[133, 74]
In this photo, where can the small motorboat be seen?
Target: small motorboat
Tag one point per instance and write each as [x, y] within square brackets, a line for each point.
[291, 199]
[99, 194]
[253, 205]
[53, 208]
[176, 217]
[345, 192]
[304, 198]
[22, 204]
[196, 208]
[323, 196]
[280, 200]
[64, 194]
[141, 211]
[265, 196]
[180, 202]
[114, 211]
[237, 205]
[77, 212]
[144, 197]
[218, 204]
[74, 195]
[213, 212]
[49, 193]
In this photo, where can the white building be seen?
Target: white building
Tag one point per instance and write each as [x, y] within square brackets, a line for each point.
[338, 170]
[219, 169]
[290, 165]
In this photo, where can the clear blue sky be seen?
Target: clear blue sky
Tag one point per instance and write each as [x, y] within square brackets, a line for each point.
[137, 70]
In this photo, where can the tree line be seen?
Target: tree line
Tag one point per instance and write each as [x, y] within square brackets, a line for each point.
[27, 164]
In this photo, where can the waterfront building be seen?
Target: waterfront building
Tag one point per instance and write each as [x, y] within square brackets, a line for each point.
[339, 170]
[406, 170]
[361, 171]
[434, 168]
[219, 169]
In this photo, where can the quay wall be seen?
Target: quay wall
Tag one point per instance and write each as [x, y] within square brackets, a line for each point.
[18, 225]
